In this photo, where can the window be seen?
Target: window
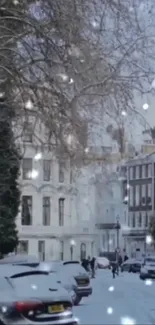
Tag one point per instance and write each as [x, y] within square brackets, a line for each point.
[140, 171]
[83, 251]
[143, 199]
[23, 246]
[26, 210]
[134, 172]
[129, 220]
[61, 171]
[125, 217]
[130, 173]
[143, 171]
[61, 211]
[26, 168]
[137, 193]
[137, 172]
[47, 170]
[28, 133]
[41, 250]
[112, 241]
[149, 198]
[149, 170]
[133, 220]
[146, 220]
[131, 196]
[61, 250]
[46, 211]
[140, 220]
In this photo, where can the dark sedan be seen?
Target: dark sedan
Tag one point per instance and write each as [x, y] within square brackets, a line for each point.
[132, 266]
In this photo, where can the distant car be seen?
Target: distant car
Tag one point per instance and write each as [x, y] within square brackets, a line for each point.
[131, 265]
[147, 270]
[84, 288]
[103, 263]
[27, 298]
[68, 282]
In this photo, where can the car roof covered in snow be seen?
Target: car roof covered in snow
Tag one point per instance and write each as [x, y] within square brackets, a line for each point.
[132, 260]
[11, 270]
[19, 259]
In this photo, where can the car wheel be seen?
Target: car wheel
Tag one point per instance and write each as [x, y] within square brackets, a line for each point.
[77, 300]
[142, 277]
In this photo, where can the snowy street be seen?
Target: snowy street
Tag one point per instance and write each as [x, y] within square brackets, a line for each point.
[124, 300]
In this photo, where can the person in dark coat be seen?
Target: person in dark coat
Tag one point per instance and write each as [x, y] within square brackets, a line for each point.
[85, 263]
[114, 269]
[92, 266]
[125, 258]
[120, 260]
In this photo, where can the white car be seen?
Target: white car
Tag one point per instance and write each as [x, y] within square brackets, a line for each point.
[147, 270]
[102, 263]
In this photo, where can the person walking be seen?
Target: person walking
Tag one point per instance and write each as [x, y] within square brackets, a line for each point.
[86, 264]
[114, 269]
[92, 266]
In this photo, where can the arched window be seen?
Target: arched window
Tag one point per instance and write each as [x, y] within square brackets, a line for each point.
[61, 250]
[83, 251]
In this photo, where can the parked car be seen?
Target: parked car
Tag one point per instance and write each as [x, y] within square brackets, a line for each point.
[131, 265]
[103, 263]
[68, 282]
[21, 259]
[27, 298]
[74, 268]
[147, 270]
[52, 267]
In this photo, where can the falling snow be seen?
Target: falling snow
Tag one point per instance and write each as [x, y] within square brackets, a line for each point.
[145, 106]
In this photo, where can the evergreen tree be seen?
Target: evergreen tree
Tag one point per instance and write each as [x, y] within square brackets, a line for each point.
[9, 187]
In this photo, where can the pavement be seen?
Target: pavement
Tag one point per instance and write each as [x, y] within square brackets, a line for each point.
[125, 300]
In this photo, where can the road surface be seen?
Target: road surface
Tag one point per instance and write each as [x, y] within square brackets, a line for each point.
[126, 300]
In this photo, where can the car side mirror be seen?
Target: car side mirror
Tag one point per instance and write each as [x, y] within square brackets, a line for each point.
[59, 282]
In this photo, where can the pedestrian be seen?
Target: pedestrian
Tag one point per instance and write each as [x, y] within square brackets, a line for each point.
[125, 258]
[120, 260]
[86, 264]
[117, 268]
[92, 266]
[114, 269]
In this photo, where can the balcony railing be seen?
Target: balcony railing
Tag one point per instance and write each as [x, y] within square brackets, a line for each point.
[135, 231]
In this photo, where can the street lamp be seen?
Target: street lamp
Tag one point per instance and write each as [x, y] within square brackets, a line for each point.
[72, 245]
[118, 227]
[117, 230]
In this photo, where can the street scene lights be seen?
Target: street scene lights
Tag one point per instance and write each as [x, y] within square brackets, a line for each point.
[72, 245]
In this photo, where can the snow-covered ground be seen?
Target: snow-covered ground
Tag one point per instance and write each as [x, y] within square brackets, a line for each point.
[125, 300]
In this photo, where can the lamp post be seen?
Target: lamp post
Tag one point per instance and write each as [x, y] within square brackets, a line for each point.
[117, 234]
[72, 245]
[117, 229]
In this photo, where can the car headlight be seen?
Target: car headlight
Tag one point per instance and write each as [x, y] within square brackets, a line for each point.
[144, 270]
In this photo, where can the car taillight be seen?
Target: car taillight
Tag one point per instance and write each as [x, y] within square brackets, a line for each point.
[23, 306]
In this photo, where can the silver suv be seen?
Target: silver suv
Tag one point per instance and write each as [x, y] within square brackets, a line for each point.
[147, 270]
